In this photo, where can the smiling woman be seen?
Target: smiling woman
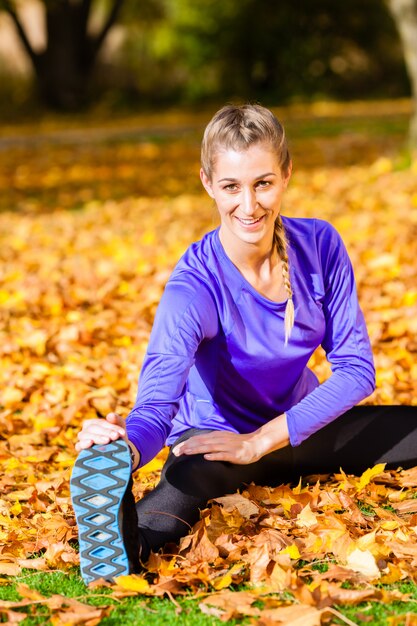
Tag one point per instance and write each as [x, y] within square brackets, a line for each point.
[225, 380]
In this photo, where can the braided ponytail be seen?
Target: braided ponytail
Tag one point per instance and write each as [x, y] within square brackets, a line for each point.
[280, 241]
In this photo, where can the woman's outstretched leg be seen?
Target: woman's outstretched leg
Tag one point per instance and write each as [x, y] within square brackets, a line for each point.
[360, 438]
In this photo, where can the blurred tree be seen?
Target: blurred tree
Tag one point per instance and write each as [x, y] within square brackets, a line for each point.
[294, 48]
[63, 69]
[404, 13]
[185, 50]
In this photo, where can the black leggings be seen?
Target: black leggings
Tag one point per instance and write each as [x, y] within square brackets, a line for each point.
[356, 440]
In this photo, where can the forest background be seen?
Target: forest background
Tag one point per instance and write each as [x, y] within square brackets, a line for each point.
[101, 115]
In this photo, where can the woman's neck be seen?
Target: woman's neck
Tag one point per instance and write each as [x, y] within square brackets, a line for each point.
[259, 260]
[261, 268]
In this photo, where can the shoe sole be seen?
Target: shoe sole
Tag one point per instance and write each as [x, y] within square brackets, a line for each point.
[98, 482]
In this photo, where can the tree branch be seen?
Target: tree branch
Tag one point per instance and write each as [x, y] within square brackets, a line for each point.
[8, 7]
[112, 17]
[85, 8]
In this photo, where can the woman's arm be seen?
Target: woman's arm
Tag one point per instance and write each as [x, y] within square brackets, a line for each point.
[219, 445]
[185, 317]
[346, 344]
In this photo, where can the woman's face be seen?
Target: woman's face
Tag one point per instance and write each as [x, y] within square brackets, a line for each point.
[247, 187]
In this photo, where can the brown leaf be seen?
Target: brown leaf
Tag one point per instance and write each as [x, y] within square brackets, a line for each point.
[198, 547]
[9, 569]
[230, 604]
[294, 615]
[12, 617]
[347, 503]
[247, 508]
[406, 506]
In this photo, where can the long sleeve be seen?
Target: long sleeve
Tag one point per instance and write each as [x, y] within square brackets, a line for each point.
[345, 342]
[185, 317]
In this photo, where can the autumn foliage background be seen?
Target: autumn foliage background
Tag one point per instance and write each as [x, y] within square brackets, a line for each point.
[91, 225]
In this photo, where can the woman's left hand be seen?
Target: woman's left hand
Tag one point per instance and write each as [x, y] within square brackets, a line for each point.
[221, 445]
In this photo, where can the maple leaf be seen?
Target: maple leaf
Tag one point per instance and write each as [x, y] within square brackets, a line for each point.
[369, 474]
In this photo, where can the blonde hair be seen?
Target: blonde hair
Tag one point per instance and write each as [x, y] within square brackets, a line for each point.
[237, 128]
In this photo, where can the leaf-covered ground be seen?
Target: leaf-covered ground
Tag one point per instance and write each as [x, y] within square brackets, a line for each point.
[89, 232]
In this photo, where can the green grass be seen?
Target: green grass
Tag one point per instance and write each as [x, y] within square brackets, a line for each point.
[131, 610]
[363, 125]
[377, 613]
[366, 509]
[157, 611]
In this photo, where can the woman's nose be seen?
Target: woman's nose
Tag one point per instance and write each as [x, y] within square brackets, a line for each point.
[248, 203]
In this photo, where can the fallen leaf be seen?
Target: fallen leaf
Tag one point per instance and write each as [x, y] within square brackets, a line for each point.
[363, 561]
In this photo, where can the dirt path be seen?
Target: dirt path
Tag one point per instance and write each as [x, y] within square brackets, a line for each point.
[96, 135]
[180, 123]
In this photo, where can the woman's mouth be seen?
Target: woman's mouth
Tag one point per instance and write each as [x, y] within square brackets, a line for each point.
[248, 222]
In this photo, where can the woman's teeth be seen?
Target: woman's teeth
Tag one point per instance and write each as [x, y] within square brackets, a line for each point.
[248, 222]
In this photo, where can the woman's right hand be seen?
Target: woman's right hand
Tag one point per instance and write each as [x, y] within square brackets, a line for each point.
[101, 431]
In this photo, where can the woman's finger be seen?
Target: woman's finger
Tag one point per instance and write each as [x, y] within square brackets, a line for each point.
[202, 448]
[115, 418]
[102, 427]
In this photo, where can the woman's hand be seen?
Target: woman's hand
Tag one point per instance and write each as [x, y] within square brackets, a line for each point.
[101, 431]
[221, 445]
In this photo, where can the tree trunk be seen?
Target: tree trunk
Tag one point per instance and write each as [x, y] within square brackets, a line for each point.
[63, 69]
[404, 13]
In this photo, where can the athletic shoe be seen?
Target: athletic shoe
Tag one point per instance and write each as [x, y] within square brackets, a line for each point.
[105, 511]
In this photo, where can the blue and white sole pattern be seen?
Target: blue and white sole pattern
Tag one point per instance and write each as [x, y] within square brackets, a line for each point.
[99, 480]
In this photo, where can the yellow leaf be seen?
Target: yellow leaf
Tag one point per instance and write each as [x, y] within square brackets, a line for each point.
[383, 165]
[12, 464]
[16, 509]
[410, 297]
[148, 238]
[4, 296]
[389, 525]
[133, 583]
[122, 342]
[292, 551]
[287, 503]
[42, 422]
[297, 489]
[153, 466]
[369, 474]
[394, 575]
[221, 582]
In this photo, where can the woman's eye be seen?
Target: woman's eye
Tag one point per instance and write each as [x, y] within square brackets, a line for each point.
[263, 183]
[231, 187]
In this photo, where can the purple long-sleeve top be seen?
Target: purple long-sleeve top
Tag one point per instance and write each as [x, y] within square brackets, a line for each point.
[216, 357]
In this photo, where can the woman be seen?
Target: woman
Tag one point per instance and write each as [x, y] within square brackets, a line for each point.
[224, 381]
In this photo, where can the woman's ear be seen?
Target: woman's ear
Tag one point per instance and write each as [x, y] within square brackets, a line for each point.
[287, 176]
[206, 183]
